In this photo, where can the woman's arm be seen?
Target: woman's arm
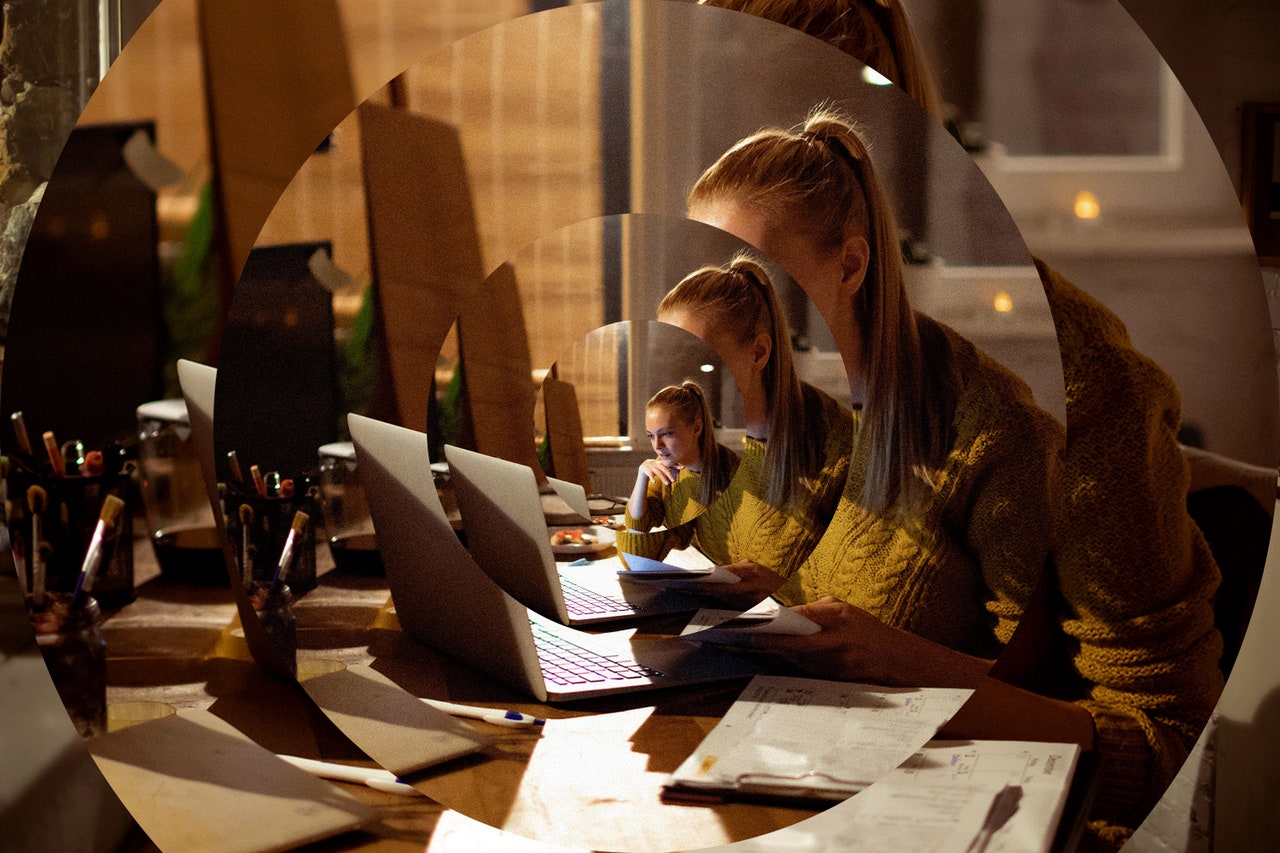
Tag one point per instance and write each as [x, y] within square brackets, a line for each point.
[645, 510]
[854, 645]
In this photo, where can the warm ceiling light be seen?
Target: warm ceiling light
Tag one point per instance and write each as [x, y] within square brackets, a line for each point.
[1087, 205]
[1003, 303]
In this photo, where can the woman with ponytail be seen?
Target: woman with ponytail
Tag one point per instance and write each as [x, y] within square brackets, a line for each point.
[944, 525]
[691, 468]
[1127, 615]
[795, 455]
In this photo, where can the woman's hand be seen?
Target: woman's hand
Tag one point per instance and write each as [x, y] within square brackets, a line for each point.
[854, 645]
[656, 469]
[649, 469]
[757, 583]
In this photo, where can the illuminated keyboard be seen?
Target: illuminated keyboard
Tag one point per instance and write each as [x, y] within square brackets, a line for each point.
[580, 601]
[565, 662]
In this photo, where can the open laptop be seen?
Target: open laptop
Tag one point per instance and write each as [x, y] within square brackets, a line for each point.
[507, 535]
[445, 600]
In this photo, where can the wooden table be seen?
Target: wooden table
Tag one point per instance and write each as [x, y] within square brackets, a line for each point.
[589, 779]
[179, 646]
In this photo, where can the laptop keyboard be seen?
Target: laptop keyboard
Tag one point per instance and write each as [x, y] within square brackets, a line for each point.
[580, 601]
[565, 662]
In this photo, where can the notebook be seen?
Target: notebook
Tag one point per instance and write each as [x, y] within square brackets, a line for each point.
[508, 537]
[810, 740]
[445, 600]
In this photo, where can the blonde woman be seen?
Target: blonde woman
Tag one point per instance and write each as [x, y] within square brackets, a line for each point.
[945, 523]
[1130, 617]
[690, 467]
[795, 456]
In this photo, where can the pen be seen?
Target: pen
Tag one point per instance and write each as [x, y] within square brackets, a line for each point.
[55, 455]
[378, 779]
[111, 507]
[20, 430]
[1002, 808]
[496, 716]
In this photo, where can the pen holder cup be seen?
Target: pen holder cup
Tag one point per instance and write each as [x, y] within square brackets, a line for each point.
[76, 656]
[71, 507]
[348, 524]
[275, 612]
[258, 528]
[180, 519]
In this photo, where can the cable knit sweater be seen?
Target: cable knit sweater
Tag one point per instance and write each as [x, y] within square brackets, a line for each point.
[961, 569]
[742, 525]
[1135, 577]
[674, 504]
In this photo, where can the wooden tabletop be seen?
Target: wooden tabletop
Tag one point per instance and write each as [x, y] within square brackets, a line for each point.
[589, 779]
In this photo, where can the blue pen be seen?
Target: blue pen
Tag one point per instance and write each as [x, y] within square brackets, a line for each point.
[497, 716]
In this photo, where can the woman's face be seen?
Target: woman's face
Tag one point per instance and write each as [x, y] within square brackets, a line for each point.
[674, 439]
[829, 277]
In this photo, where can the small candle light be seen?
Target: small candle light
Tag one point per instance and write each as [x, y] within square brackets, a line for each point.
[1086, 206]
[1003, 304]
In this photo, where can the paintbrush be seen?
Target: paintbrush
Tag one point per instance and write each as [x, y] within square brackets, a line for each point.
[111, 508]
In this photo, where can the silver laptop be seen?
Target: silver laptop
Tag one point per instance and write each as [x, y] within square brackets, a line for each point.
[508, 537]
[445, 600]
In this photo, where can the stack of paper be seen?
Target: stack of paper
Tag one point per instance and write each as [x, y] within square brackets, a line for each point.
[811, 739]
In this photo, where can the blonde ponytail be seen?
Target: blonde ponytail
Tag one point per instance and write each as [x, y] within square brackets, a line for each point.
[741, 302]
[818, 180]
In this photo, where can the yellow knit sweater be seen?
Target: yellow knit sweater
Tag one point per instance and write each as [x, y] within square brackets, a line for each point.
[1135, 577]
[674, 504]
[961, 570]
[742, 525]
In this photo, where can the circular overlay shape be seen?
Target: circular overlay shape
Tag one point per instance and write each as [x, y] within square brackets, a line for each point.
[19, 353]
